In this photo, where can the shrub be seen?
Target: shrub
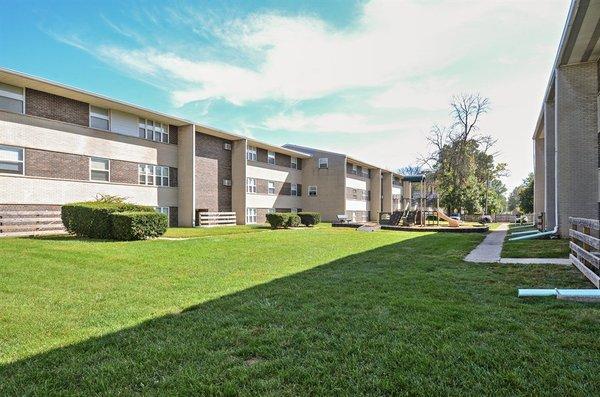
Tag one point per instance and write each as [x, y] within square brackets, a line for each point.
[309, 218]
[93, 219]
[283, 219]
[137, 225]
[293, 220]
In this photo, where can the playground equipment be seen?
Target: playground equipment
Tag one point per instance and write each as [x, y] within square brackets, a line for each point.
[420, 208]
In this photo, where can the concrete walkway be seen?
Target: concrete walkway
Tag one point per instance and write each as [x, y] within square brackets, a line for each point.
[490, 249]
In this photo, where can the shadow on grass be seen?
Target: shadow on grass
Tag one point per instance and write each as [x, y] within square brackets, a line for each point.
[407, 318]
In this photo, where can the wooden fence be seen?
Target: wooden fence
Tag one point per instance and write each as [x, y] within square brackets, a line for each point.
[207, 219]
[585, 246]
[495, 217]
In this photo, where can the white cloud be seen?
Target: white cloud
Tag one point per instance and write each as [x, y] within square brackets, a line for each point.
[405, 58]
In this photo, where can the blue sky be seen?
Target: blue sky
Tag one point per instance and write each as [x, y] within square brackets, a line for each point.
[364, 77]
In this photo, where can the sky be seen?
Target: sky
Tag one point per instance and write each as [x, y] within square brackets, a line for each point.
[366, 78]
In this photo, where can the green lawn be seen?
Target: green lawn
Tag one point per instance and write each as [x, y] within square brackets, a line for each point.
[188, 232]
[535, 248]
[288, 312]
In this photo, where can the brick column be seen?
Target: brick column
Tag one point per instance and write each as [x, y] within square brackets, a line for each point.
[539, 176]
[375, 194]
[186, 147]
[238, 180]
[577, 142]
[549, 145]
[386, 190]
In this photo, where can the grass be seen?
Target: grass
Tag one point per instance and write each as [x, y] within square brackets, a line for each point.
[535, 248]
[187, 232]
[287, 312]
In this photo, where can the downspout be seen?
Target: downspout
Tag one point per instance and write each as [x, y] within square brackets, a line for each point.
[555, 230]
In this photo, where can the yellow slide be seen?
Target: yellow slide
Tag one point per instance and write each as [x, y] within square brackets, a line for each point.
[451, 222]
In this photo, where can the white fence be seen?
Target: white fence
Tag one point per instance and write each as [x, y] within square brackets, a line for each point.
[208, 219]
[585, 246]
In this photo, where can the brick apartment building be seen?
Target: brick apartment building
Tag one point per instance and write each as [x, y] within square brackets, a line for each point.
[567, 132]
[59, 144]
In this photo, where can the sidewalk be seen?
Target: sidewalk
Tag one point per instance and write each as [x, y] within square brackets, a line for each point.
[490, 251]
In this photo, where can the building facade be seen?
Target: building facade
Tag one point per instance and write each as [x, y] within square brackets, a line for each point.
[566, 157]
[59, 145]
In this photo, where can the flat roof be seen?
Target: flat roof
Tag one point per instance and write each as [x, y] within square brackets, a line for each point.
[13, 77]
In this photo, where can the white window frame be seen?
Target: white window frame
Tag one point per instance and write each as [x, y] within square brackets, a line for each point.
[323, 161]
[226, 146]
[99, 116]
[162, 210]
[355, 169]
[250, 187]
[153, 130]
[226, 182]
[271, 187]
[271, 210]
[251, 153]
[99, 170]
[294, 163]
[152, 173]
[294, 210]
[270, 157]
[17, 97]
[251, 216]
[312, 188]
[21, 161]
[293, 189]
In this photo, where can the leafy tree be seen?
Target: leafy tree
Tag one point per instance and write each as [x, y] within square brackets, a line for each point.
[462, 164]
[526, 194]
[513, 200]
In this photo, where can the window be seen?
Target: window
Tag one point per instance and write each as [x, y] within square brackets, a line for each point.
[99, 118]
[251, 215]
[226, 182]
[251, 153]
[99, 169]
[11, 160]
[270, 210]
[227, 146]
[354, 194]
[250, 185]
[312, 191]
[146, 174]
[271, 187]
[294, 189]
[294, 210]
[153, 175]
[163, 210]
[323, 163]
[354, 169]
[153, 130]
[271, 157]
[294, 163]
[12, 98]
[161, 175]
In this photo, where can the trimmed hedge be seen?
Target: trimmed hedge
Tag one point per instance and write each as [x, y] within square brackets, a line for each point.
[138, 225]
[283, 219]
[309, 218]
[93, 219]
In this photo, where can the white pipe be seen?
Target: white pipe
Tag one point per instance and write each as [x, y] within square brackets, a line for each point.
[555, 151]
[574, 293]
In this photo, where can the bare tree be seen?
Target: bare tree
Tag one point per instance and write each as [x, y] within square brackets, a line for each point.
[466, 110]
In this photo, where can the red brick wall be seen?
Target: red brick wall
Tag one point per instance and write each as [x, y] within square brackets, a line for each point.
[42, 104]
[123, 172]
[213, 164]
[56, 165]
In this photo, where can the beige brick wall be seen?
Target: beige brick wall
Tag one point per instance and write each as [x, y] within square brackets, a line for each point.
[577, 142]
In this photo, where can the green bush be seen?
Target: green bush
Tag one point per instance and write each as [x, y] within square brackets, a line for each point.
[136, 225]
[309, 218]
[93, 219]
[293, 220]
[283, 219]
